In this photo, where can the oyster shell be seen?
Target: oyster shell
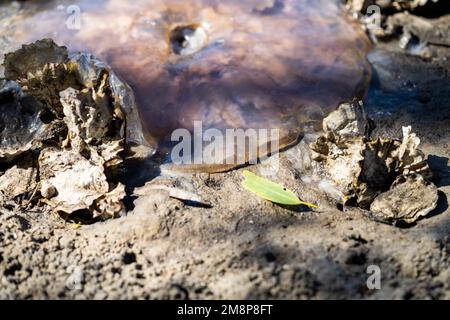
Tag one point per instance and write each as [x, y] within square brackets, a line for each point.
[363, 170]
[58, 168]
[19, 180]
[20, 123]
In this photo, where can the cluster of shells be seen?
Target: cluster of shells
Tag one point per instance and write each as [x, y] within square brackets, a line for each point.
[396, 20]
[65, 121]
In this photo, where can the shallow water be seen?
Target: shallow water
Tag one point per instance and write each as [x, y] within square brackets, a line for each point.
[253, 64]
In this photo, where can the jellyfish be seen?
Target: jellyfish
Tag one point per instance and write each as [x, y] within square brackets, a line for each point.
[262, 65]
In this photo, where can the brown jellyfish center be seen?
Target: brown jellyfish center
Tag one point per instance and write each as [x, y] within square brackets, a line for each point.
[186, 40]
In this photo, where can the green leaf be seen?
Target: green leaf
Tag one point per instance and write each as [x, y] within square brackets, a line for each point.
[271, 191]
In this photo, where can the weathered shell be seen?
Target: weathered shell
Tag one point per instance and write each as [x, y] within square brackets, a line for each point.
[80, 107]
[20, 123]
